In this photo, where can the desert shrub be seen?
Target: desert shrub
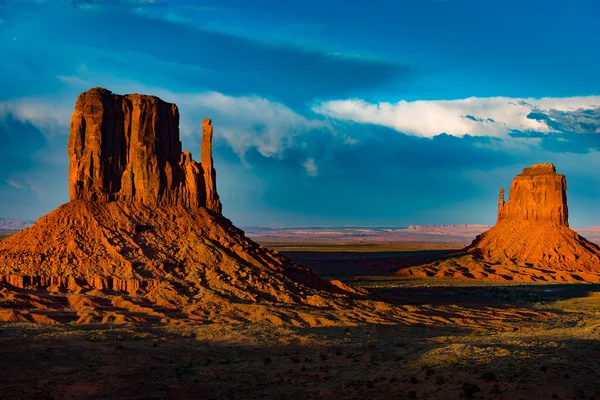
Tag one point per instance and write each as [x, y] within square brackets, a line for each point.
[295, 360]
[495, 389]
[413, 379]
[323, 356]
[370, 385]
[412, 394]
[469, 389]
[429, 372]
[439, 380]
[488, 376]
[267, 360]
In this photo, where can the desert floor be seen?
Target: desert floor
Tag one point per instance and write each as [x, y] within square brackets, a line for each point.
[484, 341]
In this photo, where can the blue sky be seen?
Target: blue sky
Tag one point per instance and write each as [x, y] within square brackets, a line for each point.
[395, 113]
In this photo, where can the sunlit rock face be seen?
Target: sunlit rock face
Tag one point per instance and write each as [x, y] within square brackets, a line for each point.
[128, 148]
[533, 226]
[537, 195]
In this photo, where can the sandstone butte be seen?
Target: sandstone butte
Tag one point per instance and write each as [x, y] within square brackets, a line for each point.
[531, 240]
[143, 240]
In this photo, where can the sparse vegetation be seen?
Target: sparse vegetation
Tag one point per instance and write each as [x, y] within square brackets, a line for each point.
[457, 338]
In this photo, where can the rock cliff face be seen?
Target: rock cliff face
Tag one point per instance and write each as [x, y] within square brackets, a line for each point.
[537, 195]
[127, 148]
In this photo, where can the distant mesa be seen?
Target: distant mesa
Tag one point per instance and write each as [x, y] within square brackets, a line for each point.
[11, 224]
[531, 240]
[143, 239]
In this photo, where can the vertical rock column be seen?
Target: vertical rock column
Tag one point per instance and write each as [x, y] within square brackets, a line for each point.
[501, 206]
[210, 181]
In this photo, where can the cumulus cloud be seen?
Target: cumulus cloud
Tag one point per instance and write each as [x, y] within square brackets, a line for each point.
[494, 116]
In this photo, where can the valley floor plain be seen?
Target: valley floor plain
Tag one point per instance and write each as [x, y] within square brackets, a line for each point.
[458, 339]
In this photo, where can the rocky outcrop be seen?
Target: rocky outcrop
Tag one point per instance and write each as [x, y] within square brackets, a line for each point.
[128, 148]
[531, 240]
[145, 219]
[36, 282]
[537, 195]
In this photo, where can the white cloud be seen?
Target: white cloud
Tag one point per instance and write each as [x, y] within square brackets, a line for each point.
[15, 184]
[52, 116]
[310, 167]
[246, 121]
[494, 116]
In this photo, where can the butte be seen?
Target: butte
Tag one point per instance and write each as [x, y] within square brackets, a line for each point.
[143, 240]
[530, 242]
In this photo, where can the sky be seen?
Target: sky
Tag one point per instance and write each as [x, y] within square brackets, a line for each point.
[325, 113]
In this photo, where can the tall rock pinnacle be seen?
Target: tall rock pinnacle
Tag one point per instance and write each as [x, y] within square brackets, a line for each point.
[127, 148]
[501, 205]
[210, 181]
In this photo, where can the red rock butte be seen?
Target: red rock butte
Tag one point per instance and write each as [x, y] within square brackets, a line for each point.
[538, 195]
[127, 148]
[531, 240]
[143, 239]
